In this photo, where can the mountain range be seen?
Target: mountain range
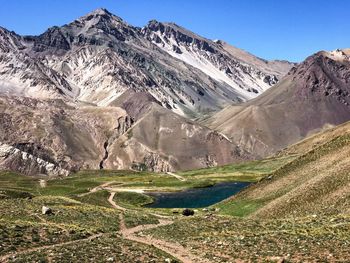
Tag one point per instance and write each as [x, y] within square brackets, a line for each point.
[98, 57]
[98, 93]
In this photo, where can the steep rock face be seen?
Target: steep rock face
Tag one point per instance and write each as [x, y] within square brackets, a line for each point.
[103, 64]
[243, 72]
[314, 95]
[99, 93]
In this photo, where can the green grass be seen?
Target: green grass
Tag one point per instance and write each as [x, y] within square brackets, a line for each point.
[99, 198]
[239, 208]
[130, 199]
[136, 218]
[220, 236]
[16, 181]
[300, 170]
[108, 248]
[10, 193]
[244, 172]
[227, 239]
[83, 181]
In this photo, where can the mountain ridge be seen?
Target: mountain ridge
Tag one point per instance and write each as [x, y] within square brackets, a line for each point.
[312, 95]
[139, 64]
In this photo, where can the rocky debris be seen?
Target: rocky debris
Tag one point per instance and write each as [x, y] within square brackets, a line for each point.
[162, 141]
[271, 80]
[323, 75]
[169, 260]
[46, 210]
[188, 212]
[124, 123]
[15, 159]
[156, 163]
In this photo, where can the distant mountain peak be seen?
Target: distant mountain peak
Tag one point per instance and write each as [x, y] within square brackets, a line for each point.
[100, 13]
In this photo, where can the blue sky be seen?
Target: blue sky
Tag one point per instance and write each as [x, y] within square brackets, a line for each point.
[271, 29]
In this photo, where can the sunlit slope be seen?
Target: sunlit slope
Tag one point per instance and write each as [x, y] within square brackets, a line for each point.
[316, 182]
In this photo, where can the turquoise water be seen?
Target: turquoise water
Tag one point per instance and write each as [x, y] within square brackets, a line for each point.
[197, 197]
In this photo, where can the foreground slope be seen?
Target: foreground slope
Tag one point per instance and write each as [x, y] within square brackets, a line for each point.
[313, 95]
[316, 182]
[95, 218]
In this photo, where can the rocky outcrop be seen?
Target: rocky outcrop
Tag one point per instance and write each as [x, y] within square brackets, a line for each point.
[124, 123]
[14, 159]
[155, 163]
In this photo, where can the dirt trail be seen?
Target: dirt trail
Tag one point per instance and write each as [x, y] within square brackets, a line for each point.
[107, 187]
[175, 250]
[177, 176]
[111, 201]
[132, 234]
[97, 188]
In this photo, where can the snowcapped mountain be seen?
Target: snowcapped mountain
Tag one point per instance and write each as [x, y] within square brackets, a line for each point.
[99, 57]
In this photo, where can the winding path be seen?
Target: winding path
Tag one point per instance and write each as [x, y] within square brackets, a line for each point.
[175, 250]
[133, 234]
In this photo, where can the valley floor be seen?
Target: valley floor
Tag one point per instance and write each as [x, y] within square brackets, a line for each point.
[98, 216]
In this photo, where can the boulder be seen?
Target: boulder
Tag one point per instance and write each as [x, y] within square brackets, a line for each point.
[188, 212]
[46, 210]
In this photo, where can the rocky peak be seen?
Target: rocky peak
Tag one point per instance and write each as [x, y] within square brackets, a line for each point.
[100, 14]
[99, 27]
[342, 55]
[52, 38]
[101, 11]
[9, 41]
[171, 32]
[324, 74]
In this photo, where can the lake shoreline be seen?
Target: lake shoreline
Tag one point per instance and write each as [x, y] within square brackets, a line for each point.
[195, 197]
